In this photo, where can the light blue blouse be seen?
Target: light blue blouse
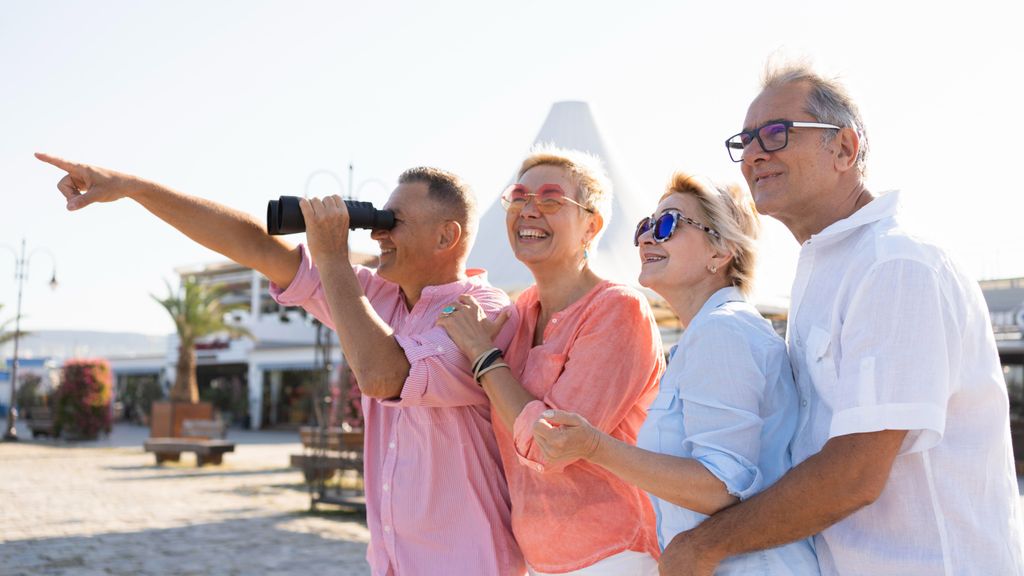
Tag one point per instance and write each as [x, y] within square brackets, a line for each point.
[728, 400]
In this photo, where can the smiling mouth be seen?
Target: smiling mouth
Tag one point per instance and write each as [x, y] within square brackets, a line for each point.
[384, 251]
[532, 234]
[652, 258]
[760, 179]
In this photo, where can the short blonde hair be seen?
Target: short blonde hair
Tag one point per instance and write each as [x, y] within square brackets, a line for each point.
[585, 170]
[730, 211]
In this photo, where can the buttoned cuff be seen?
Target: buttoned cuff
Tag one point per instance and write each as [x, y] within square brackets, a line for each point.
[926, 421]
[741, 477]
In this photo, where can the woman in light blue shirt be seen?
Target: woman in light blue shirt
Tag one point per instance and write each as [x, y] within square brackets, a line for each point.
[719, 430]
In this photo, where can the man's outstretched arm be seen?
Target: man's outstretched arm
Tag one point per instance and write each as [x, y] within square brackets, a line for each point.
[849, 473]
[235, 234]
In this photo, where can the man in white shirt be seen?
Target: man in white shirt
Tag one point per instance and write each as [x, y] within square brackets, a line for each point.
[902, 454]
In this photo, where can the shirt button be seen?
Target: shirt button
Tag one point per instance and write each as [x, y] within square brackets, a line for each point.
[385, 487]
[554, 320]
[440, 349]
[387, 528]
[803, 402]
[540, 467]
[391, 445]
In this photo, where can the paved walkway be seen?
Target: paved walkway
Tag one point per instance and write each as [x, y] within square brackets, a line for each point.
[105, 508]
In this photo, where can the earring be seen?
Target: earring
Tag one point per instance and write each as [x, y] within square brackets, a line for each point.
[586, 253]
[712, 268]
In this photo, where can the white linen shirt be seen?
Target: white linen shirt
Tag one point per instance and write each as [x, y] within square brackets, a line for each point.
[727, 400]
[886, 333]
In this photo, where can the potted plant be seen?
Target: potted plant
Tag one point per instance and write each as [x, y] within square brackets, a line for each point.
[197, 312]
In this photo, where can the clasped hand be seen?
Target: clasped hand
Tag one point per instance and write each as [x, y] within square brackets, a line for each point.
[565, 436]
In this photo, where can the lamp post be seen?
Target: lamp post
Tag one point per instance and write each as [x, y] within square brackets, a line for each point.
[322, 172]
[21, 263]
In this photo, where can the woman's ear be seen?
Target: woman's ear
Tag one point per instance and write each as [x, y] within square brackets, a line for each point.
[720, 260]
[595, 226]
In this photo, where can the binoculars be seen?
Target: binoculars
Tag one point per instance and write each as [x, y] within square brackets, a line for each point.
[285, 217]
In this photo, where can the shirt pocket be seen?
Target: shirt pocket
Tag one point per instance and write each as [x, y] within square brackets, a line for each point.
[821, 364]
[542, 371]
[662, 432]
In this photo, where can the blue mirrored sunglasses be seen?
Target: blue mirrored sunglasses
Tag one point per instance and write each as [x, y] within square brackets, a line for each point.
[662, 227]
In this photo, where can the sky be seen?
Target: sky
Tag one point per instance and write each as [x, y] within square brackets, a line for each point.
[241, 101]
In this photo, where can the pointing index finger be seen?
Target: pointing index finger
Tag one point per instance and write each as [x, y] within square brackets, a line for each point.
[61, 163]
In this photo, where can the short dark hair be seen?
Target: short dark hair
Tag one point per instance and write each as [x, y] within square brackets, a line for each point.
[450, 192]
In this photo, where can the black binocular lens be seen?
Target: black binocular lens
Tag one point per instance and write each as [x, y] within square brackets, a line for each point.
[285, 217]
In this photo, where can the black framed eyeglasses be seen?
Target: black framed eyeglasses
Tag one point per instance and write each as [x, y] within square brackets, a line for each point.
[772, 137]
[662, 227]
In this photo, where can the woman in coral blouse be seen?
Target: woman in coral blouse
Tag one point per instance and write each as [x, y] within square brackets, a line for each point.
[582, 344]
[720, 428]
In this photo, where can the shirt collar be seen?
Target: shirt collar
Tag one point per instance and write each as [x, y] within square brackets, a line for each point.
[474, 277]
[884, 206]
[720, 298]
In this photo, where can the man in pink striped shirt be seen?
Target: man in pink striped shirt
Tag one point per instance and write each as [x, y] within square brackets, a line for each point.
[437, 500]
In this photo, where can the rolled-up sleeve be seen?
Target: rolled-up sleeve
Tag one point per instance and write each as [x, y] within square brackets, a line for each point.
[611, 367]
[439, 375]
[722, 387]
[307, 292]
[900, 346]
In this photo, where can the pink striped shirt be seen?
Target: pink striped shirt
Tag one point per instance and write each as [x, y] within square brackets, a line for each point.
[436, 497]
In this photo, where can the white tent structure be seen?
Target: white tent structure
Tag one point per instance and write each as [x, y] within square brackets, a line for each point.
[568, 125]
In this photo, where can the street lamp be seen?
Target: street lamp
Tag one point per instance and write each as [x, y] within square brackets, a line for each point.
[315, 173]
[21, 263]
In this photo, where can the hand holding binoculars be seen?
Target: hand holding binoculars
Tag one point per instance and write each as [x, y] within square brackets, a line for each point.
[285, 217]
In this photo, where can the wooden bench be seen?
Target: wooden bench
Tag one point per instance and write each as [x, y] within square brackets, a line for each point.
[203, 437]
[325, 467]
[40, 421]
[206, 451]
[326, 451]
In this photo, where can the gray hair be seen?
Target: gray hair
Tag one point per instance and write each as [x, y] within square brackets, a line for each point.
[449, 191]
[828, 102]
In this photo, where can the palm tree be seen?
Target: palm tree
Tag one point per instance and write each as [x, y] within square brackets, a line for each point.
[5, 335]
[197, 312]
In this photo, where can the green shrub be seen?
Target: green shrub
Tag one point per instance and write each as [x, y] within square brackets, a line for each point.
[83, 399]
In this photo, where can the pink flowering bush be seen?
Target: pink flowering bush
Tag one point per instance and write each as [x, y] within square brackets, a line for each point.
[346, 402]
[352, 412]
[83, 399]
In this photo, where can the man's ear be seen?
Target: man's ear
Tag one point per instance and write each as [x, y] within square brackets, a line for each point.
[848, 144]
[450, 234]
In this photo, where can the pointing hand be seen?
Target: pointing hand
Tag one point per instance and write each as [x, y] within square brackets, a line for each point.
[84, 184]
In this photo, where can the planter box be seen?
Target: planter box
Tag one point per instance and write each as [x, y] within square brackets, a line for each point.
[166, 418]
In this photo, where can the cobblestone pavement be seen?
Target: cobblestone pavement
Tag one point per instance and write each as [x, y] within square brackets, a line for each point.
[105, 508]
